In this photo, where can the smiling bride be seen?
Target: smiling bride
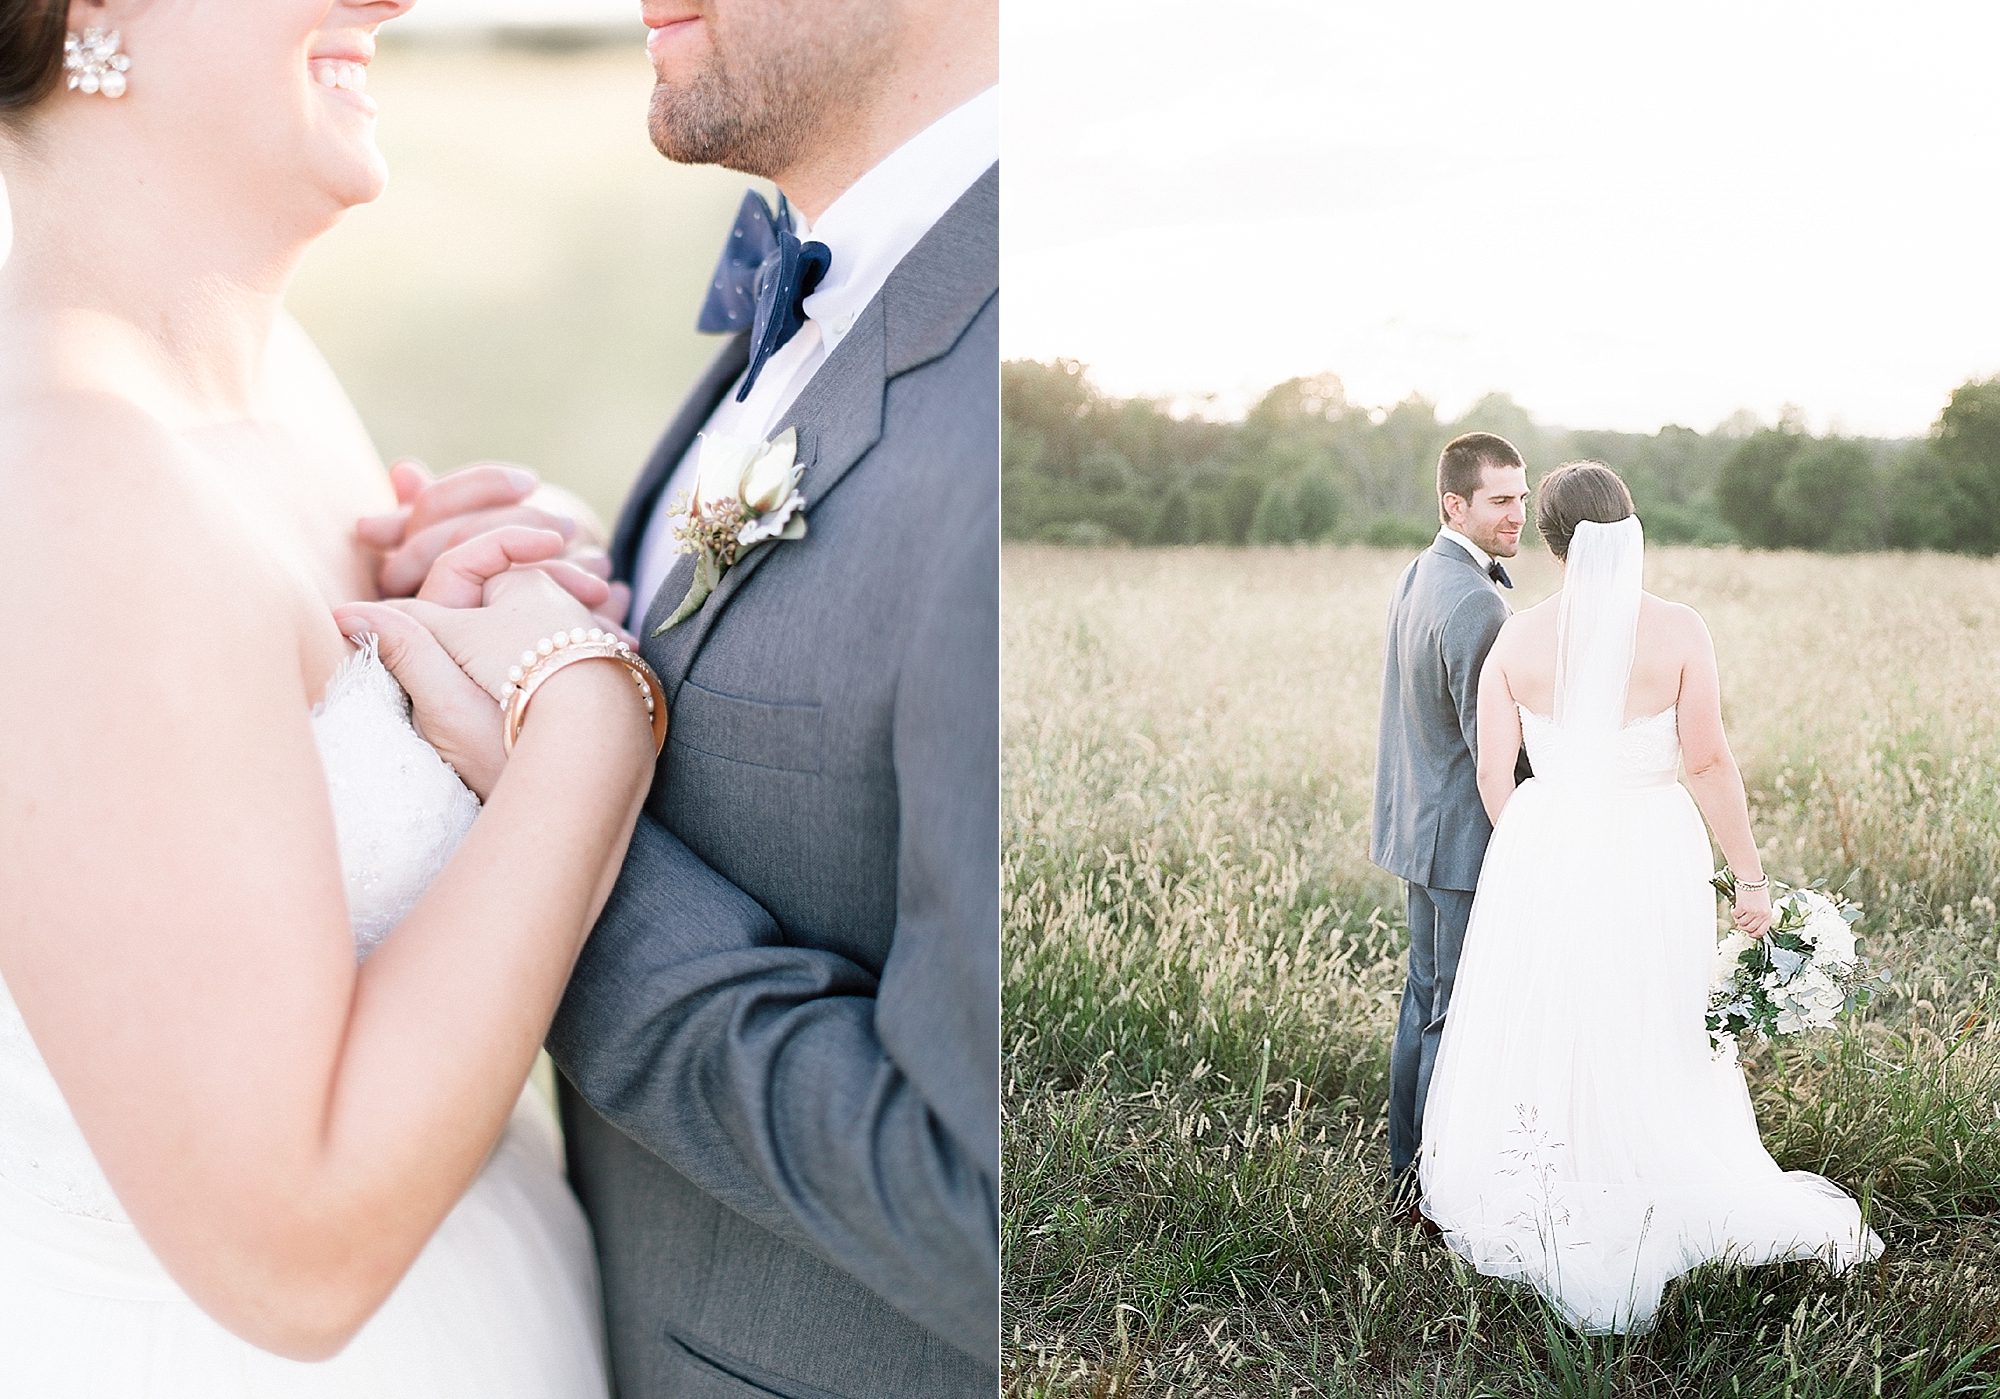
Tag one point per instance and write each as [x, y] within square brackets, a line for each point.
[273, 976]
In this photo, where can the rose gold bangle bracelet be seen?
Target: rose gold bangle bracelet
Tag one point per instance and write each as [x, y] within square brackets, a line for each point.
[553, 653]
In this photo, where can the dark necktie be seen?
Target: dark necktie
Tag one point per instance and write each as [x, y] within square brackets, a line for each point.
[1499, 574]
[762, 282]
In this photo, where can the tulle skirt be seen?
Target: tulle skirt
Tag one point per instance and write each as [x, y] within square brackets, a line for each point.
[503, 1303]
[1578, 1136]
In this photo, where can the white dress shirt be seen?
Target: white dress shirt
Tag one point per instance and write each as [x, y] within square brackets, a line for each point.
[868, 230]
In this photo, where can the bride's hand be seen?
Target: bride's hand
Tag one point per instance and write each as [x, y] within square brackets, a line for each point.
[1753, 911]
[494, 597]
[451, 712]
[484, 603]
[522, 607]
[453, 707]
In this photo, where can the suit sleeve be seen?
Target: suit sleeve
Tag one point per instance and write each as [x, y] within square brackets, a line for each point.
[1467, 637]
[856, 1119]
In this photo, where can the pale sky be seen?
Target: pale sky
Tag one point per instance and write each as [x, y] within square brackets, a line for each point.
[1622, 215]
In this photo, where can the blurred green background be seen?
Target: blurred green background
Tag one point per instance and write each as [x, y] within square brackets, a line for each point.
[527, 288]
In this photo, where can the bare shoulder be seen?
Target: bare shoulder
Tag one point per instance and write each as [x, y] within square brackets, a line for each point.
[1672, 621]
[113, 518]
[1531, 625]
[62, 444]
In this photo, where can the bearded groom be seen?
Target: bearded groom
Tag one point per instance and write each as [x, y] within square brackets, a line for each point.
[780, 1045]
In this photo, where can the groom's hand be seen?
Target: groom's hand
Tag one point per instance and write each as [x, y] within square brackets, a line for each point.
[464, 575]
[436, 514]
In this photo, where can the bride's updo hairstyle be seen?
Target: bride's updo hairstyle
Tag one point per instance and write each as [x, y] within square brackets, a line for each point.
[1575, 492]
[31, 51]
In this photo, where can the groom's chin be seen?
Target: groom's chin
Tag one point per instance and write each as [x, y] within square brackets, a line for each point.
[677, 136]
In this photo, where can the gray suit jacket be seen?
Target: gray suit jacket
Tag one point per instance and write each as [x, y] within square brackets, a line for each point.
[781, 1044]
[1430, 826]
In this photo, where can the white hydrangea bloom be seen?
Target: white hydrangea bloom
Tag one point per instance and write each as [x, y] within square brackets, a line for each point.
[1727, 952]
[1837, 947]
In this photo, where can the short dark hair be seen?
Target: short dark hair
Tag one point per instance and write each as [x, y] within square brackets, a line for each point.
[1463, 462]
[1575, 492]
[31, 51]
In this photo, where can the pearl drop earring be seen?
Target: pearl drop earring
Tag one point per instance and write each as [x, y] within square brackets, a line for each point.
[94, 63]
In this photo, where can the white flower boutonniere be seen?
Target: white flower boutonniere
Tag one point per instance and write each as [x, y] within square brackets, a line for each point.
[744, 493]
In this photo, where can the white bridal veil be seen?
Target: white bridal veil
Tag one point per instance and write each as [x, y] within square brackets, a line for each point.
[1596, 624]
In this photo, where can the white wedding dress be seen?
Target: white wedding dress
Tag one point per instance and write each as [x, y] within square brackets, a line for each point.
[503, 1303]
[1578, 1137]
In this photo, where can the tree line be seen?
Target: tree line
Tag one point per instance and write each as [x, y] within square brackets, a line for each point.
[1307, 465]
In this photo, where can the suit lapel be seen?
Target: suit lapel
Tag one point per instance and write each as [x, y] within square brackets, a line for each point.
[695, 409]
[1444, 548]
[838, 417]
[922, 310]
[946, 280]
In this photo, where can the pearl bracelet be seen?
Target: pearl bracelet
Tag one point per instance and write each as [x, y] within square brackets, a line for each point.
[552, 653]
[1754, 884]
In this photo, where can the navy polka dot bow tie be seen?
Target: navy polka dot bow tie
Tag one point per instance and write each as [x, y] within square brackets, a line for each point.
[762, 282]
[1499, 574]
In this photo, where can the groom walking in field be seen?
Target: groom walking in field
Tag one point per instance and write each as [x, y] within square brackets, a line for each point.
[1430, 828]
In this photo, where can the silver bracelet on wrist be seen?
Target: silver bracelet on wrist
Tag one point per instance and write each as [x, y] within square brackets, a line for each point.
[1761, 883]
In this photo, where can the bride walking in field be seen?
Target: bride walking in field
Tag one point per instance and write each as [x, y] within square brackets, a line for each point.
[1578, 1135]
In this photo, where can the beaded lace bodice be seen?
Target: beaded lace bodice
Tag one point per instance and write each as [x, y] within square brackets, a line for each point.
[399, 813]
[1645, 752]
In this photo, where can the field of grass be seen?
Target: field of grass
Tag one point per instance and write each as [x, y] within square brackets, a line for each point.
[1201, 970]
[527, 289]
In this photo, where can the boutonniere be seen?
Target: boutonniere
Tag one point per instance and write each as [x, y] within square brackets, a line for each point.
[744, 493]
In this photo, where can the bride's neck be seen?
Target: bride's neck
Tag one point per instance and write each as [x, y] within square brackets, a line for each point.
[151, 287]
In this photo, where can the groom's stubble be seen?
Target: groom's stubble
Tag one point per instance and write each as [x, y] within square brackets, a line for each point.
[776, 82]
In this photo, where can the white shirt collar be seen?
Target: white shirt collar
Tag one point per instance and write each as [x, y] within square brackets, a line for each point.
[877, 220]
[1479, 555]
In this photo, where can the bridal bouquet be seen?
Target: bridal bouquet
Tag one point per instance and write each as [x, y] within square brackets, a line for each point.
[1801, 975]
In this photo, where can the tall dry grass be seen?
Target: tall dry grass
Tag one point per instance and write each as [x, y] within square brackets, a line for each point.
[1201, 968]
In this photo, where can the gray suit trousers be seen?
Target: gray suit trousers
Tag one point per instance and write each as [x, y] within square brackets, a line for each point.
[1437, 934]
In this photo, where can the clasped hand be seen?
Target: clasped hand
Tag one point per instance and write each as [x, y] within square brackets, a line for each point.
[435, 514]
[495, 580]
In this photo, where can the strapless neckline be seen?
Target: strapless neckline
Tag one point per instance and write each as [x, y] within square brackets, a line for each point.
[1628, 724]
